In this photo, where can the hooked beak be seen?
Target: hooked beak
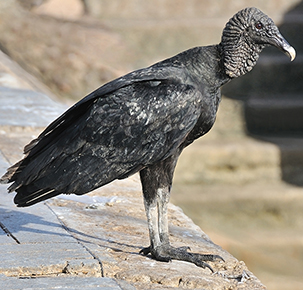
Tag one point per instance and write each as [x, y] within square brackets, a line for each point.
[280, 42]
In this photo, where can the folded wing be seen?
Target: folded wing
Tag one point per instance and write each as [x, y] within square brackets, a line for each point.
[117, 130]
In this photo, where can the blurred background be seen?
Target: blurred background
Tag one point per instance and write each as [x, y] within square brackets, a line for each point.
[242, 182]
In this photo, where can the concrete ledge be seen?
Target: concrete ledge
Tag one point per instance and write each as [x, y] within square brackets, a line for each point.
[64, 282]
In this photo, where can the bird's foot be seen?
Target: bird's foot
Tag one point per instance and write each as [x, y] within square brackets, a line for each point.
[166, 253]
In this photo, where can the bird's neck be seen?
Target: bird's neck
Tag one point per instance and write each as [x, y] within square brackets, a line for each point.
[207, 63]
[239, 57]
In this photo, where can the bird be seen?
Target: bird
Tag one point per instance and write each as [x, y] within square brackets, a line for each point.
[141, 122]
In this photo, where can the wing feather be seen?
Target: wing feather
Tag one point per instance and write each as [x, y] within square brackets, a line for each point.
[117, 130]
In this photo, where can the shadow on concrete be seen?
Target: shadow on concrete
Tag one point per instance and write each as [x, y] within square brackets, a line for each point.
[22, 226]
[272, 97]
[100, 238]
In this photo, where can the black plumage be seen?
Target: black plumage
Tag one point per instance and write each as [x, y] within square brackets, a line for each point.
[141, 122]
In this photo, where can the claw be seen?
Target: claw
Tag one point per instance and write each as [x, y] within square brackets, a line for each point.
[205, 265]
[211, 257]
[184, 249]
[145, 251]
[217, 257]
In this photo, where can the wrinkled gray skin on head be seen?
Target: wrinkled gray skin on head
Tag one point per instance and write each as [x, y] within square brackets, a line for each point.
[245, 36]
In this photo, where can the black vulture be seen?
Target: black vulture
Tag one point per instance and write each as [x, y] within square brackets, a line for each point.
[141, 122]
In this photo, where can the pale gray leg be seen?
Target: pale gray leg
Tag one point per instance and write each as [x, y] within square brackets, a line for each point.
[156, 184]
[152, 220]
[163, 195]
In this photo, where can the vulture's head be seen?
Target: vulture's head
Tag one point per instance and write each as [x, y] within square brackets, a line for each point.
[244, 37]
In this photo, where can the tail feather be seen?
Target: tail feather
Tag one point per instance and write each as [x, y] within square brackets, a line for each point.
[12, 171]
[8, 176]
[26, 196]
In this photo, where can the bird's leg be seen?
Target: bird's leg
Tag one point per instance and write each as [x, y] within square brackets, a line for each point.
[152, 220]
[163, 195]
[156, 185]
[152, 213]
[157, 221]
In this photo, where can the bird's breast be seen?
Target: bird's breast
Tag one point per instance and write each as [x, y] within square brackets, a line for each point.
[206, 120]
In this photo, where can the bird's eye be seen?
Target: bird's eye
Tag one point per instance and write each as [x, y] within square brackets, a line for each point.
[259, 25]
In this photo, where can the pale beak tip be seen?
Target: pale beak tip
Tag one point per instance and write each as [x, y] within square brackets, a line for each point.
[291, 53]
